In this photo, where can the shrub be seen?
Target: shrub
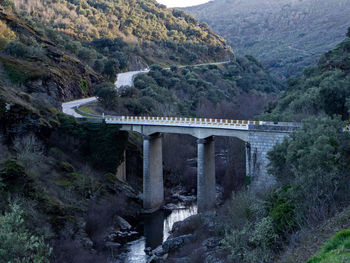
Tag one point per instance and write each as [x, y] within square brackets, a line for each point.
[29, 150]
[17, 244]
[84, 87]
[13, 176]
[15, 48]
[15, 75]
[283, 216]
[314, 161]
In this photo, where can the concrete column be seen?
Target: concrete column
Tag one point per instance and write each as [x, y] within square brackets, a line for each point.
[153, 189]
[206, 188]
[248, 159]
[121, 171]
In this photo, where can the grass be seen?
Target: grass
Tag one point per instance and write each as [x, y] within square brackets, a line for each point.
[310, 243]
[89, 108]
[336, 250]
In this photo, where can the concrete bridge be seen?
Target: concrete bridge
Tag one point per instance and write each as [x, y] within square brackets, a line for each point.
[260, 137]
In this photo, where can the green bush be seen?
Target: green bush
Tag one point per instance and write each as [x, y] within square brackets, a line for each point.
[13, 175]
[84, 87]
[314, 161]
[107, 94]
[17, 243]
[17, 49]
[283, 216]
[15, 75]
[250, 234]
[100, 144]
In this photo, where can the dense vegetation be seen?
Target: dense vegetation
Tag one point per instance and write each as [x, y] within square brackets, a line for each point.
[322, 89]
[285, 35]
[201, 91]
[126, 34]
[311, 167]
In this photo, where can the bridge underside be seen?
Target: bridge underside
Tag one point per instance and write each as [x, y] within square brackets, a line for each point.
[259, 140]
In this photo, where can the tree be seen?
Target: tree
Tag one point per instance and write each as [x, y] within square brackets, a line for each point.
[111, 68]
[107, 94]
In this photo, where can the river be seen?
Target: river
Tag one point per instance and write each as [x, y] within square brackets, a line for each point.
[156, 229]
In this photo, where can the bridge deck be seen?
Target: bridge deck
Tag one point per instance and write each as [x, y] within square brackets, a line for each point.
[182, 122]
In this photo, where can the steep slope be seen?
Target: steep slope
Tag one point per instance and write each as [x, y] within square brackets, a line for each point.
[285, 35]
[322, 89]
[310, 201]
[151, 32]
[53, 172]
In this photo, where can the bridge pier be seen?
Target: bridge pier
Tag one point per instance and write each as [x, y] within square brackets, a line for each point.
[206, 187]
[153, 189]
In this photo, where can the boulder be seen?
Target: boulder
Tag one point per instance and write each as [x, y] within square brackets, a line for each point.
[122, 223]
[187, 226]
[177, 242]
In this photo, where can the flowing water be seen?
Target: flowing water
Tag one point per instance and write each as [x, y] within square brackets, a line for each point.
[156, 228]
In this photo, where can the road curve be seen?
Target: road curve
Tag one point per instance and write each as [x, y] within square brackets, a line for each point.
[126, 79]
[123, 79]
[68, 107]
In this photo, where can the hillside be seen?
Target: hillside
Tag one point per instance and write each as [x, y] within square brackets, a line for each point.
[285, 35]
[133, 32]
[310, 201]
[59, 192]
[320, 90]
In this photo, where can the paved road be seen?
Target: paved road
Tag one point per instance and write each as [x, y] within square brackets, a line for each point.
[126, 79]
[68, 107]
[123, 79]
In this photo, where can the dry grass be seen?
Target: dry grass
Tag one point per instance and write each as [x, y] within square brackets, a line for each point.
[306, 243]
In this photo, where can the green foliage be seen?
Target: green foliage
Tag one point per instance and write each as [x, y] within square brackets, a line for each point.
[13, 176]
[314, 162]
[250, 234]
[84, 86]
[320, 90]
[16, 48]
[16, 76]
[18, 245]
[107, 94]
[336, 250]
[282, 213]
[194, 87]
[252, 27]
[102, 145]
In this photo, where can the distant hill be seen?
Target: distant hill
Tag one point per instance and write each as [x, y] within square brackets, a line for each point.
[320, 90]
[286, 35]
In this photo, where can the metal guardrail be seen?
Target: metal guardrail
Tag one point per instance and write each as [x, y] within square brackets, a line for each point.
[181, 121]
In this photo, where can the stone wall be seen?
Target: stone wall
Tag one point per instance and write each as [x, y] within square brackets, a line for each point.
[261, 140]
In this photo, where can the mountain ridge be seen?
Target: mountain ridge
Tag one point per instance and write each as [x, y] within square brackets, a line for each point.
[285, 35]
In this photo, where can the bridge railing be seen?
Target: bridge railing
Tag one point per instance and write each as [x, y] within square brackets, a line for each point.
[180, 121]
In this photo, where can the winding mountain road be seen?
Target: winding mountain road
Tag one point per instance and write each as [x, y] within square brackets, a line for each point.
[123, 79]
